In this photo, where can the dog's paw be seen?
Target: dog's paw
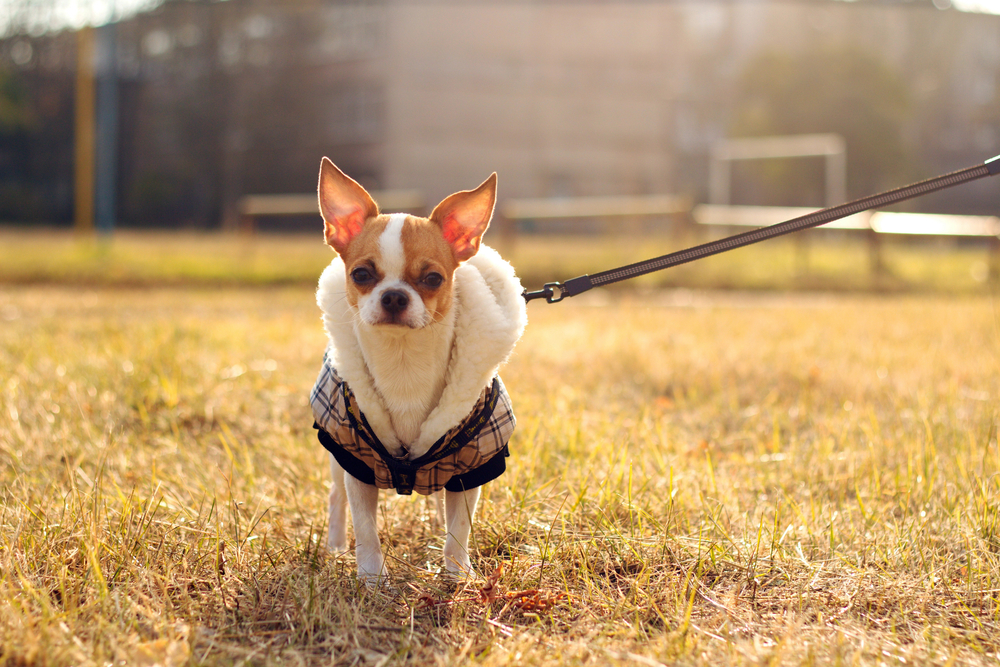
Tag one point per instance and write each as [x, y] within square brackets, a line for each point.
[336, 536]
[336, 546]
[459, 567]
[371, 568]
[374, 581]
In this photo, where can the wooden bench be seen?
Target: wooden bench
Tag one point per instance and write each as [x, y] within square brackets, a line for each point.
[254, 206]
[595, 207]
[932, 224]
[615, 209]
[876, 224]
[716, 215]
[935, 225]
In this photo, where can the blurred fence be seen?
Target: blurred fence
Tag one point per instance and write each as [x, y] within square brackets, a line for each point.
[876, 226]
[634, 215]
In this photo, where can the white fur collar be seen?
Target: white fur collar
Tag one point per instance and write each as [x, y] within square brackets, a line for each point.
[490, 318]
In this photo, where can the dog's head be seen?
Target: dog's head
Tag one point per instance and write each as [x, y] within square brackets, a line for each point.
[400, 268]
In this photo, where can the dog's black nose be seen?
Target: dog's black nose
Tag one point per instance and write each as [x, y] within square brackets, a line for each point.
[395, 301]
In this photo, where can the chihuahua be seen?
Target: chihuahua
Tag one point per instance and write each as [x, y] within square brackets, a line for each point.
[420, 316]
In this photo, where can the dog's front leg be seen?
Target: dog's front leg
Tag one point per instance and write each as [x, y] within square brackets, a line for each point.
[363, 499]
[460, 509]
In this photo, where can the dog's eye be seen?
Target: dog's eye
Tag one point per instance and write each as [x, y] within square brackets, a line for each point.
[362, 275]
[433, 280]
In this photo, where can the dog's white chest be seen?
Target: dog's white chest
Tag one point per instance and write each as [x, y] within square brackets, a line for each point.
[409, 372]
[409, 397]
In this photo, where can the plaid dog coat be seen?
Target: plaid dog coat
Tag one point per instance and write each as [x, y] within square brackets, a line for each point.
[462, 442]
[469, 455]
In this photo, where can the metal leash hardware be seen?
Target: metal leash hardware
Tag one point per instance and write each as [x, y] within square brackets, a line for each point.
[556, 292]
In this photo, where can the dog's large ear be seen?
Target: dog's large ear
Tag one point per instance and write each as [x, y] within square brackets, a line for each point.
[344, 205]
[464, 217]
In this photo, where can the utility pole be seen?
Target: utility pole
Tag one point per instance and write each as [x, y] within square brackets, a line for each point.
[84, 140]
[105, 185]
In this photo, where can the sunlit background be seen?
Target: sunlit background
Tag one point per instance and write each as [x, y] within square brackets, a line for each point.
[41, 15]
[179, 113]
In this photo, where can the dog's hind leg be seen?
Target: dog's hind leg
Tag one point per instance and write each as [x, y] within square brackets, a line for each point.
[439, 507]
[336, 539]
[363, 499]
[460, 508]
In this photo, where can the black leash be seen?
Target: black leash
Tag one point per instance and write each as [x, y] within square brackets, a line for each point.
[555, 292]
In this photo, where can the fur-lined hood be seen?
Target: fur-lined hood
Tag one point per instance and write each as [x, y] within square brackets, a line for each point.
[490, 316]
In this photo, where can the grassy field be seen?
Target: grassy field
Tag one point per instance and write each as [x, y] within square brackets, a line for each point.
[696, 478]
[812, 260]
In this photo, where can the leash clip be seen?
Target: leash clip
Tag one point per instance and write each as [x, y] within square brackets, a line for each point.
[551, 292]
[555, 292]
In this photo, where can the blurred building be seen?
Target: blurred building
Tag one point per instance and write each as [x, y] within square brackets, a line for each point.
[222, 99]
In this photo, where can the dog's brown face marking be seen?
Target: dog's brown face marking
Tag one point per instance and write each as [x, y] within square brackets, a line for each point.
[363, 253]
[430, 264]
[404, 255]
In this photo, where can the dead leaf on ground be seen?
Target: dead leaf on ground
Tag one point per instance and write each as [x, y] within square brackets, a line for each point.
[490, 592]
[535, 600]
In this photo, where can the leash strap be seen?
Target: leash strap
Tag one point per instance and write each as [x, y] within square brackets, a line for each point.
[555, 292]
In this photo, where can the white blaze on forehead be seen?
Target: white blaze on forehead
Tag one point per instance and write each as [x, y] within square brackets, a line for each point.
[390, 245]
[391, 264]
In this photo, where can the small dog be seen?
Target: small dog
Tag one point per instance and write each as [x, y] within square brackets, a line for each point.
[420, 317]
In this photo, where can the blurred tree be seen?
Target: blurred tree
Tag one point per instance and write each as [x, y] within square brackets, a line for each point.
[17, 200]
[14, 112]
[36, 167]
[842, 90]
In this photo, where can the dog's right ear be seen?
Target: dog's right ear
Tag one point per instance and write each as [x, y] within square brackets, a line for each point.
[344, 205]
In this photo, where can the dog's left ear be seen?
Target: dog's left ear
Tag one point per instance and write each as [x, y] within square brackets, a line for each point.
[464, 217]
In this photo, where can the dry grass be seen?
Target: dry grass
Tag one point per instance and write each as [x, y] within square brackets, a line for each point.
[696, 479]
